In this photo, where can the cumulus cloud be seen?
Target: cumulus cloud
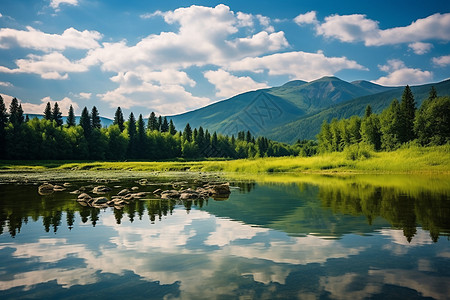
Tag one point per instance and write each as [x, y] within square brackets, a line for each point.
[49, 66]
[400, 74]
[85, 95]
[228, 85]
[357, 27]
[308, 18]
[5, 84]
[442, 61]
[299, 64]
[56, 3]
[420, 48]
[38, 40]
[31, 108]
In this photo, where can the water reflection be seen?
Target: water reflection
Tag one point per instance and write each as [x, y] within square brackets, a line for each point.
[270, 241]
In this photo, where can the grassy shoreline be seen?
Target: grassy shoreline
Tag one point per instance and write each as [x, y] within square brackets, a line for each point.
[411, 160]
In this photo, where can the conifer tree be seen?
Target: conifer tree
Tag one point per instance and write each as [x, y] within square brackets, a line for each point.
[118, 119]
[56, 115]
[187, 133]
[164, 125]
[172, 129]
[27, 118]
[248, 137]
[3, 122]
[141, 137]
[160, 121]
[15, 112]
[48, 115]
[132, 144]
[390, 126]
[85, 122]
[95, 118]
[408, 113]
[368, 111]
[71, 117]
[152, 122]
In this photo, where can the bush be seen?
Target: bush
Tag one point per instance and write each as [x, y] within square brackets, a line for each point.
[359, 151]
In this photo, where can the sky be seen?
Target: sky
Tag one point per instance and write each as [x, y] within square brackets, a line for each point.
[175, 56]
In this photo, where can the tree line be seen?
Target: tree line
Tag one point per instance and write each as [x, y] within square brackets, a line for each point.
[49, 138]
[398, 124]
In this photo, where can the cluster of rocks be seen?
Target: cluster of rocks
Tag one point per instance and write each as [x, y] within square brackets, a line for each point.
[217, 191]
[48, 188]
[118, 201]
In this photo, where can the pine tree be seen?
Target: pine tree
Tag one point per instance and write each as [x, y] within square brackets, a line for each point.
[132, 144]
[71, 117]
[248, 137]
[368, 111]
[95, 118]
[187, 133]
[15, 112]
[27, 118]
[3, 122]
[390, 126]
[165, 125]
[118, 119]
[160, 121]
[48, 115]
[433, 93]
[324, 137]
[56, 115]
[370, 131]
[172, 129]
[152, 122]
[85, 122]
[141, 137]
[408, 113]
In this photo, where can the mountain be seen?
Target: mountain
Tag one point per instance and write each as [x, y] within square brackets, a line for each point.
[263, 110]
[104, 121]
[307, 127]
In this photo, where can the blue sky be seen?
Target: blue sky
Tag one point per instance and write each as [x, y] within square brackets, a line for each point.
[175, 56]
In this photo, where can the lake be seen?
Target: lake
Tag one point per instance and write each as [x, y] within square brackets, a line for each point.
[291, 237]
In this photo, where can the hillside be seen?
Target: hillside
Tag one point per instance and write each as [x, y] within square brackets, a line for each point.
[307, 127]
[263, 110]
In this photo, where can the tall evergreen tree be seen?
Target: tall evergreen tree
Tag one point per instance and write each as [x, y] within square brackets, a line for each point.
[164, 125]
[368, 111]
[160, 121]
[56, 115]
[3, 122]
[48, 115]
[141, 137]
[85, 122]
[132, 144]
[118, 119]
[71, 117]
[95, 118]
[172, 129]
[187, 133]
[408, 113]
[433, 93]
[370, 131]
[27, 118]
[248, 137]
[324, 137]
[152, 122]
[15, 112]
[390, 126]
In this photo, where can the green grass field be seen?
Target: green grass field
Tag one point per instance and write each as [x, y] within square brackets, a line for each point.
[432, 160]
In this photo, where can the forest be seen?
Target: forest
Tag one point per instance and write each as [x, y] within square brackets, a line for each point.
[49, 138]
[400, 123]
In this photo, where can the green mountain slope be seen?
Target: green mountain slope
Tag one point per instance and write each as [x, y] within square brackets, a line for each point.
[308, 126]
[262, 110]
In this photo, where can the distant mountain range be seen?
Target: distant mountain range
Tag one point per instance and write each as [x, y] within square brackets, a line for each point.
[297, 109]
[294, 110]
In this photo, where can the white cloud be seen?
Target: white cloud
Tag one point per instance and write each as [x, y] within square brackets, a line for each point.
[308, 18]
[49, 66]
[300, 65]
[399, 74]
[31, 108]
[420, 48]
[38, 40]
[85, 95]
[357, 27]
[228, 85]
[442, 61]
[56, 3]
[5, 84]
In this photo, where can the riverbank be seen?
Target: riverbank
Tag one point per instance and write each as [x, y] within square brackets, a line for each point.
[412, 160]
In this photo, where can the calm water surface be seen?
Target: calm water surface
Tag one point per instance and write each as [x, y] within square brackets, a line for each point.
[324, 239]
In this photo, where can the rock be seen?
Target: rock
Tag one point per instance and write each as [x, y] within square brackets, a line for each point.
[170, 194]
[58, 188]
[128, 197]
[101, 189]
[157, 192]
[220, 189]
[67, 184]
[84, 196]
[100, 200]
[76, 192]
[143, 181]
[123, 192]
[189, 196]
[134, 188]
[139, 195]
[45, 189]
